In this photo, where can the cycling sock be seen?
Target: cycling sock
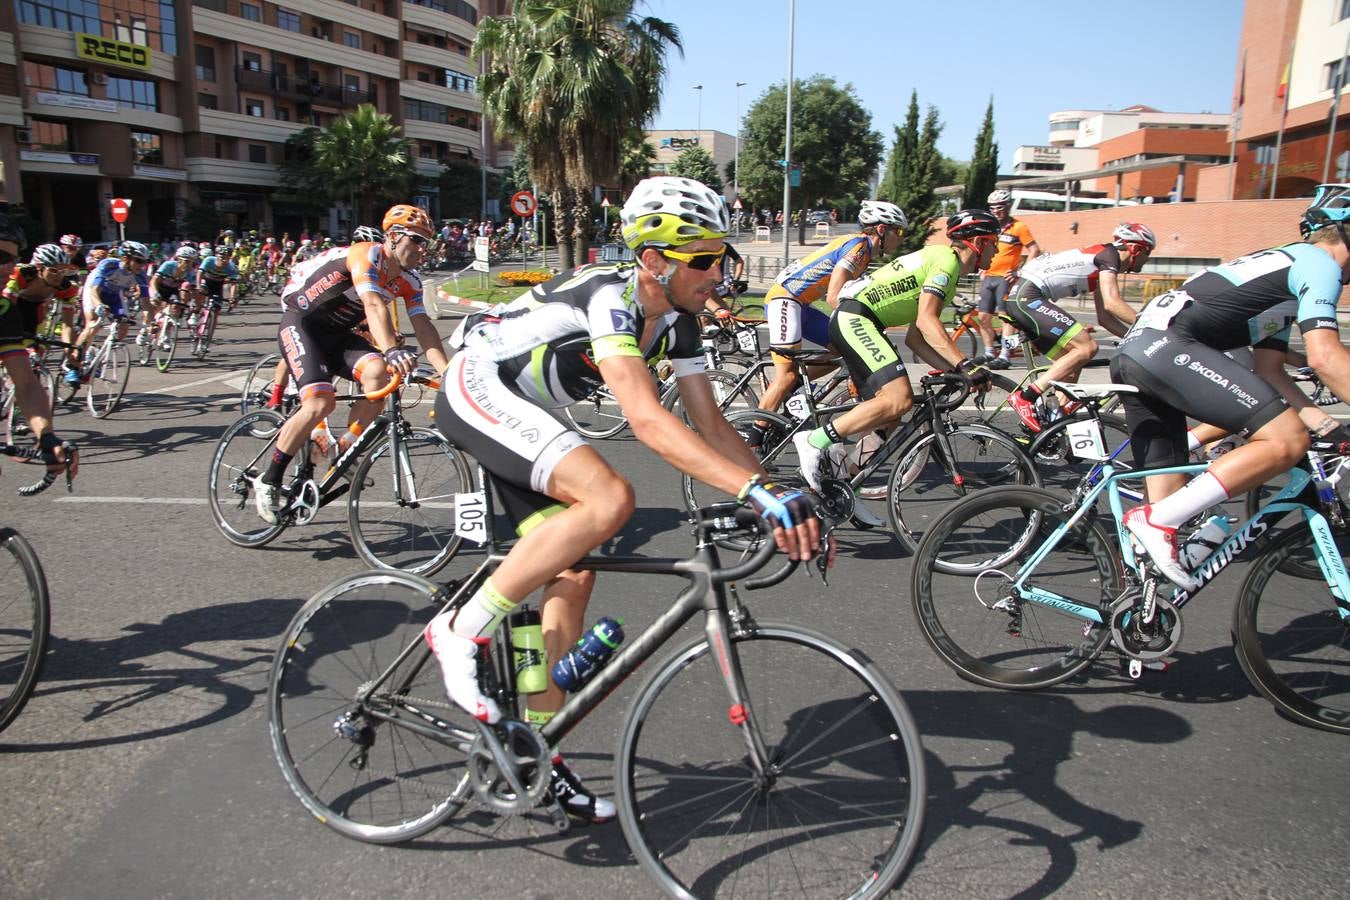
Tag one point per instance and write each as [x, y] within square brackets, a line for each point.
[1031, 393]
[1192, 445]
[277, 469]
[820, 439]
[1201, 493]
[353, 432]
[538, 718]
[275, 398]
[483, 613]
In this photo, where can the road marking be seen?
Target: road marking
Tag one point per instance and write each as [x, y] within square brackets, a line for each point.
[163, 501]
[178, 387]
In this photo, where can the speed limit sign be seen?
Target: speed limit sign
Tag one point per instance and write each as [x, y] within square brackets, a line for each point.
[522, 203]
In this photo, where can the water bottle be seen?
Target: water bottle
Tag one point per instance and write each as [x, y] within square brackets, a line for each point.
[1213, 532]
[527, 652]
[589, 654]
[323, 443]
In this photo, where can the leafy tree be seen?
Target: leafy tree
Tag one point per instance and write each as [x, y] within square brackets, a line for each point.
[698, 164]
[915, 169]
[302, 177]
[983, 173]
[636, 158]
[365, 161]
[569, 79]
[832, 140]
[461, 184]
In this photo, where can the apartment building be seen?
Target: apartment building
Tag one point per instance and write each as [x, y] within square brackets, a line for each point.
[175, 103]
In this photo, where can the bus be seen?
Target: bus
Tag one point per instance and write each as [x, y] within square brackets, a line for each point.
[1030, 202]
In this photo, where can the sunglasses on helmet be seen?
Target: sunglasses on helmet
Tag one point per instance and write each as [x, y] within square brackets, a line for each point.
[701, 262]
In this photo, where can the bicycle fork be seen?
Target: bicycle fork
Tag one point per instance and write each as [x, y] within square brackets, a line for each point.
[719, 627]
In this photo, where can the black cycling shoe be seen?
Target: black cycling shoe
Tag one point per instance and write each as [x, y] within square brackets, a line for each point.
[571, 794]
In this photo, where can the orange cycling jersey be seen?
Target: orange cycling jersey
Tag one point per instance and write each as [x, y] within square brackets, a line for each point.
[1012, 240]
[26, 284]
[326, 290]
[807, 279]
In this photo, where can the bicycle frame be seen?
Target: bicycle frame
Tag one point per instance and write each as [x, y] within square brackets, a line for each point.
[1242, 537]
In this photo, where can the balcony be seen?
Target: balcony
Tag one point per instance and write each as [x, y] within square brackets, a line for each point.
[295, 87]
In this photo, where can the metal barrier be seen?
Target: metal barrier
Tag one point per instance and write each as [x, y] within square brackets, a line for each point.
[615, 253]
[763, 235]
[1155, 285]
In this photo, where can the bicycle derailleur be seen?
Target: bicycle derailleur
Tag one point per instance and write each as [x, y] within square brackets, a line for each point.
[1145, 627]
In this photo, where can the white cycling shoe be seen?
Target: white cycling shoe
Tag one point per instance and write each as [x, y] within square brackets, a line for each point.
[1160, 543]
[865, 517]
[458, 656]
[267, 497]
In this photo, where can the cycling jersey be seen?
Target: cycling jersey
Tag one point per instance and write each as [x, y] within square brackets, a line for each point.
[26, 284]
[1069, 273]
[215, 268]
[808, 279]
[549, 342]
[1012, 241]
[113, 282]
[326, 290]
[171, 276]
[21, 303]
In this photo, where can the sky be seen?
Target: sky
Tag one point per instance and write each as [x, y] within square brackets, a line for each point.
[1033, 57]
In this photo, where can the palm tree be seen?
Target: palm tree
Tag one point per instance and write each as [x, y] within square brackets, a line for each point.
[568, 79]
[365, 160]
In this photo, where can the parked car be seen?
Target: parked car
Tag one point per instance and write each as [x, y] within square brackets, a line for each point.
[817, 216]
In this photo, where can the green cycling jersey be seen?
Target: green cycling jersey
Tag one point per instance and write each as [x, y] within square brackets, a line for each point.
[891, 293]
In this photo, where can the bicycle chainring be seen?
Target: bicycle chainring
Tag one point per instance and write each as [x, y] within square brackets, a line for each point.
[1137, 639]
[509, 768]
[837, 500]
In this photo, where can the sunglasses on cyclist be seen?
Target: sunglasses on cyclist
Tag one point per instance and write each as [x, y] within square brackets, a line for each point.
[700, 262]
[416, 238]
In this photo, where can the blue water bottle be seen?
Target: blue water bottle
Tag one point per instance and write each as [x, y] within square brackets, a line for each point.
[588, 655]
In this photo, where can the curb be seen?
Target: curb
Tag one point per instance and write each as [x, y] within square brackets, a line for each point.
[444, 296]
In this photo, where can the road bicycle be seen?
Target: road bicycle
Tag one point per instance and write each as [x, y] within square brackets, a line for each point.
[937, 458]
[105, 369]
[159, 340]
[758, 758]
[409, 528]
[205, 330]
[11, 416]
[1020, 588]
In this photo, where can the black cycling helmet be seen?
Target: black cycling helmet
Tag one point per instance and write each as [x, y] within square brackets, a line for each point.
[10, 231]
[972, 223]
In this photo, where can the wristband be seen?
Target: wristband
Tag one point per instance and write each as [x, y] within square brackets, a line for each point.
[965, 365]
[745, 489]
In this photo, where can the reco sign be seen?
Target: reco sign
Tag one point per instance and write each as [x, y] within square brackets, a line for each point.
[107, 50]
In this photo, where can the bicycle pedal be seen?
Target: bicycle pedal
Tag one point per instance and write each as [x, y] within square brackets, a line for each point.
[561, 821]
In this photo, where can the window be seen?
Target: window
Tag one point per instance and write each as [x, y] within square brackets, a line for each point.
[453, 7]
[251, 12]
[282, 114]
[458, 81]
[253, 108]
[425, 151]
[252, 61]
[257, 153]
[150, 23]
[288, 20]
[56, 78]
[135, 93]
[1330, 71]
[206, 63]
[351, 40]
[135, 33]
[352, 83]
[424, 77]
[425, 112]
[207, 101]
[146, 148]
[44, 135]
[1343, 10]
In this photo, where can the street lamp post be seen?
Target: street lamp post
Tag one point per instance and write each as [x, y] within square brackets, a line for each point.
[787, 138]
[699, 120]
[736, 166]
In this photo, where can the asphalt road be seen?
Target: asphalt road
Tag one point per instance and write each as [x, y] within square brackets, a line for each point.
[142, 768]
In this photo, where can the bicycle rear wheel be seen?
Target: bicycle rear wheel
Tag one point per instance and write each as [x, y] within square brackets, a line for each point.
[412, 535]
[598, 416]
[772, 444]
[166, 345]
[1290, 640]
[1061, 467]
[840, 813]
[729, 398]
[108, 381]
[243, 453]
[925, 481]
[337, 734]
[25, 620]
[961, 589]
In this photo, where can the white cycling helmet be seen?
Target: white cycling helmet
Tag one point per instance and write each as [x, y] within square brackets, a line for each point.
[1134, 233]
[50, 255]
[135, 250]
[999, 197]
[367, 233]
[668, 211]
[881, 212]
[187, 252]
[204, 247]
[306, 243]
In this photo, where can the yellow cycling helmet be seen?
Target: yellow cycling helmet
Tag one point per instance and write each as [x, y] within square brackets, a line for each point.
[667, 211]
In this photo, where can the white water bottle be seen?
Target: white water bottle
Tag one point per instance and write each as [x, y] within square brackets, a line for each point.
[1213, 532]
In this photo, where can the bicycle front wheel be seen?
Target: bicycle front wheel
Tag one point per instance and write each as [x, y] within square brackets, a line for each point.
[412, 528]
[25, 619]
[925, 480]
[335, 711]
[1290, 638]
[769, 435]
[108, 381]
[840, 810]
[166, 345]
[961, 588]
[243, 453]
[598, 416]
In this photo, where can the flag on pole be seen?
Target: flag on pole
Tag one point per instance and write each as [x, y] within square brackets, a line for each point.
[1283, 88]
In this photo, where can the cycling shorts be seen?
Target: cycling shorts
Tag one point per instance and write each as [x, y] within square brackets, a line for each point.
[790, 321]
[1180, 377]
[1047, 327]
[871, 358]
[518, 442]
[993, 294]
[18, 323]
[315, 355]
[215, 288]
[115, 305]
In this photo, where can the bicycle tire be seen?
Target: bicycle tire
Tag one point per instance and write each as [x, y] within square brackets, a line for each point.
[775, 451]
[166, 344]
[729, 398]
[25, 623]
[258, 384]
[8, 405]
[241, 454]
[339, 641]
[108, 381]
[1059, 466]
[955, 586]
[700, 823]
[205, 332]
[597, 417]
[1289, 638]
[1298, 565]
[145, 352]
[990, 406]
[924, 482]
[419, 539]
